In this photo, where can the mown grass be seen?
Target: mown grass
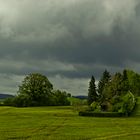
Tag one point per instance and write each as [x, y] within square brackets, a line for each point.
[62, 123]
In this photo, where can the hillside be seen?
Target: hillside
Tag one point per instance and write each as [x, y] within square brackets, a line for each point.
[81, 97]
[3, 96]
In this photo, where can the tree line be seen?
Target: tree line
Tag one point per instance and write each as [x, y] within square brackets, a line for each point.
[114, 93]
[36, 90]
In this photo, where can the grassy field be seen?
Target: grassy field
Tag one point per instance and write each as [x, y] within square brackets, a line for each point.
[62, 123]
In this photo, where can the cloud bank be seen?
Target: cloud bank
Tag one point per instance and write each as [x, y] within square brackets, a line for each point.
[67, 40]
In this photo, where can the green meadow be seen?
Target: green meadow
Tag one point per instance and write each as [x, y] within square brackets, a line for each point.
[63, 123]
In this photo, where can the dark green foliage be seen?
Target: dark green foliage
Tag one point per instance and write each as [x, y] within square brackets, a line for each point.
[111, 92]
[68, 95]
[95, 106]
[115, 87]
[92, 95]
[36, 90]
[19, 101]
[125, 75]
[36, 86]
[126, 104]
[115, 95]
[22, 101]
[60, 98]
[103, 82]
[136, 111]
[8, 101]
[134, 82]
[54, 99]
[101, 114]
[126, 85]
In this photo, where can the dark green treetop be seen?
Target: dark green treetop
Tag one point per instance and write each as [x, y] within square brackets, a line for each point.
[134, 82]
[103, 81]
[36, 86]
[92, 95]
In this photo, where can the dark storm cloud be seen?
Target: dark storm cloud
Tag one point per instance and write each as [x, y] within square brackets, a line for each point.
[69, 39]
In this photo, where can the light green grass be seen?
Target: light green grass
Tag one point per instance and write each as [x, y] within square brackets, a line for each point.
[62, 123]
[74, 100]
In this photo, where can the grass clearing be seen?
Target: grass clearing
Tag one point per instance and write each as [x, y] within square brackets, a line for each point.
[62, 123]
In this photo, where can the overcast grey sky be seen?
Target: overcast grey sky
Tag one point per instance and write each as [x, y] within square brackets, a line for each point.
[67, 40]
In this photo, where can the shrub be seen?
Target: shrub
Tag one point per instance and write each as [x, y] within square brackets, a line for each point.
[8, 102]
[95, 107]
[60, 98]
[129, 103]
[22, 101]
[126, 105]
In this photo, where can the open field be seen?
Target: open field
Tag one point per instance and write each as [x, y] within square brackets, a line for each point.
[62, 123]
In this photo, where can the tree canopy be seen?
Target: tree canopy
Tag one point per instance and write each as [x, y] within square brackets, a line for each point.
[116, 92]
[36, 90]
[134, 82]
[36, 86]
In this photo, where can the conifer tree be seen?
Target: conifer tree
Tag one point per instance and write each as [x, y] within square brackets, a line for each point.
[92, 95]
[103, 82]
[126, 86]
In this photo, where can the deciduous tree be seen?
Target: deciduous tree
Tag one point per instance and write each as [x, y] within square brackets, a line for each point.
[37, 87]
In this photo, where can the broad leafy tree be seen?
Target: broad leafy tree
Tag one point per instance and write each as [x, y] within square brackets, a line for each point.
[134, 82]
[37, 88]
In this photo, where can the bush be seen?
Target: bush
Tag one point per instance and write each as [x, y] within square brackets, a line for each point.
[95, 107]
[126, 105]
[56, 98]
[22, 101]
[60, 98]
[129, 103]
[8, 102]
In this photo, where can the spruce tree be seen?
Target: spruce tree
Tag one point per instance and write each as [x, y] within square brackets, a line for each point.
[103, 82]
[126, 85]
[92, 95]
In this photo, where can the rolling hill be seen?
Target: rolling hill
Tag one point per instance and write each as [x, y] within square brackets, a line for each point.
[3, 96]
